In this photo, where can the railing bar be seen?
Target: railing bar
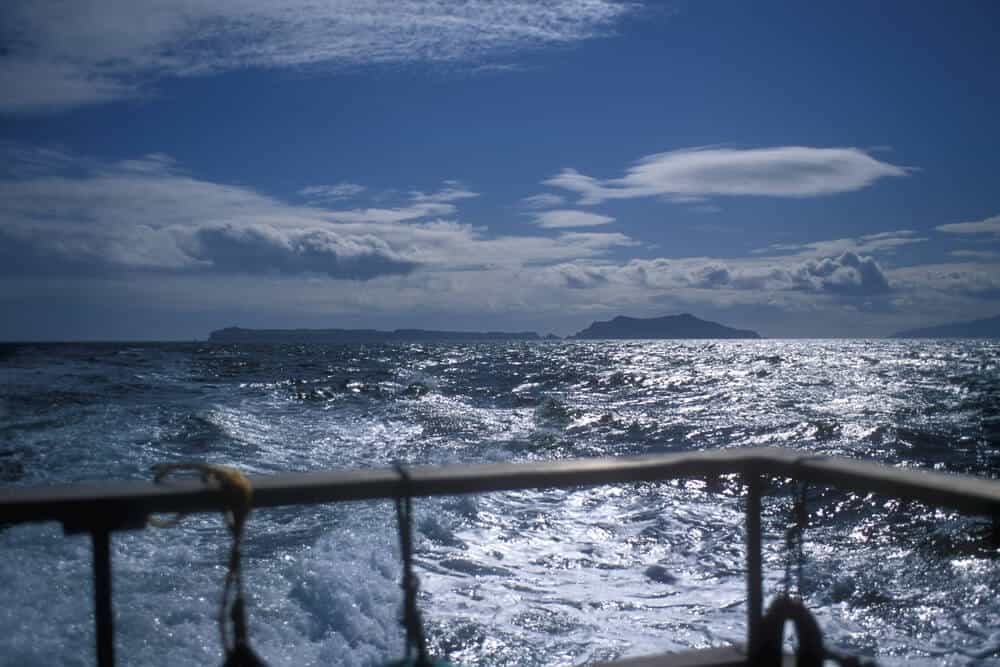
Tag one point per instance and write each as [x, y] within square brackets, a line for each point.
[137, 499]
[755, 566]
[103, 614]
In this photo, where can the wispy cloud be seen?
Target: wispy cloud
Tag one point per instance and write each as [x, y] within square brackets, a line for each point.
[545, 200]
[334, 192]
[63, 54]
[571, 218]
[989, 225]
[453, 191]
[881, 242]
[686, 175]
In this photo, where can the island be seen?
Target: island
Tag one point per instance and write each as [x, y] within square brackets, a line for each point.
[985, 328]
[684, 325]
[240, 335]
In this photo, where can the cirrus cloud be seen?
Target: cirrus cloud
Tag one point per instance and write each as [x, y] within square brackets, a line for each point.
[543, 201]
[65, 54]
[344, 190]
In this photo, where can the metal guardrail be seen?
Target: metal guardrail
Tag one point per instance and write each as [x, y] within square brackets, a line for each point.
[102, 509]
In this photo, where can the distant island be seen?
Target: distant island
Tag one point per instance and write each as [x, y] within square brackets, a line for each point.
[984, 328]
[621, 327]
[240, 335]
[684, 325]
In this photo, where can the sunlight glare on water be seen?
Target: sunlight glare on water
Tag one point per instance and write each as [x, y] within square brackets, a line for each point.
[528, 578]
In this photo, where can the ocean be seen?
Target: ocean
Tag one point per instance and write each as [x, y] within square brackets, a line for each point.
[544, 577]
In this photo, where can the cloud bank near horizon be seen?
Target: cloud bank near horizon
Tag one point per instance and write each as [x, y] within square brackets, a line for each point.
[146, 224]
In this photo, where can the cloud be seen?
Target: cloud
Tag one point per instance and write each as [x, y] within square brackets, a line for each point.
[398, 214]
[687, 175]
[334, 192]
[570, 218]
[453, 191]
[264, 249]
[577, 276]
[62, 215]
[844, 275]
[882, 242]
[847, 274]
[144, 231]
[545, 200]
[950, 279]
[987, 226]
[63, 54]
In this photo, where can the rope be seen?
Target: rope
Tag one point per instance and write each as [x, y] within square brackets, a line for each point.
[237, 495]
[795, 540]
[412, 621]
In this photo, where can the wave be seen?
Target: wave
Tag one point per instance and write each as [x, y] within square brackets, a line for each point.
[509, 578]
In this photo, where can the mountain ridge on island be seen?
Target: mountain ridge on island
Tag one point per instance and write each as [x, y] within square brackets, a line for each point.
[241, 335]
[684, 325]
[988, 327]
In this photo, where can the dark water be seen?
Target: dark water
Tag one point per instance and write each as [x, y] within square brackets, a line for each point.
[544, 577]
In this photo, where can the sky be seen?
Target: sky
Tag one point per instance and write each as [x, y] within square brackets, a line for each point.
[801, 169]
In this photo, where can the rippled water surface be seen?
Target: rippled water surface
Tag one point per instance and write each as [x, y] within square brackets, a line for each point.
[528, 578]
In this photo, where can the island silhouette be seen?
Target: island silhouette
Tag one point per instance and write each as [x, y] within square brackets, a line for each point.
[684, 325]
[985, 328]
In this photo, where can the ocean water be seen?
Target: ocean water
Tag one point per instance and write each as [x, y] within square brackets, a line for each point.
[528, 578]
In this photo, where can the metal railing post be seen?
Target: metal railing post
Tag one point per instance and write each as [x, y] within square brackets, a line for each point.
[755, 575]
[103, 617]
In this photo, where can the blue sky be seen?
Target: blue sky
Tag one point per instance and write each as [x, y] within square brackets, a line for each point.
[798, 168]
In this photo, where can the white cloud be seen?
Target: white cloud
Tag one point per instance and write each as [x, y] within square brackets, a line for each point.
[64, 54]
[987, 226]
[334, 192]
[847, 274]
[453, 191]
[74, 216]
[545, 200]
[146, 230]
[686, 175]
[399, 214]
[882, 242]
[570, 218]
[950, 278]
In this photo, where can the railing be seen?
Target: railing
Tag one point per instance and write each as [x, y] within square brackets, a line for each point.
[102, 509]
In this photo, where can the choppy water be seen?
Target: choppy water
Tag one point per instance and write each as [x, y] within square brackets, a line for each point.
[533, 578]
